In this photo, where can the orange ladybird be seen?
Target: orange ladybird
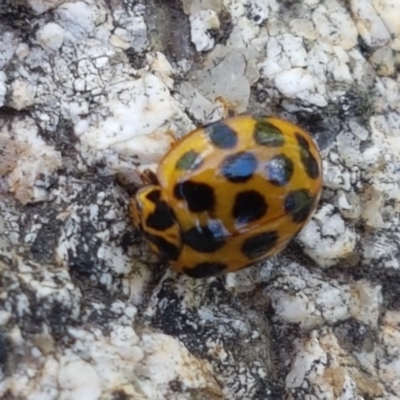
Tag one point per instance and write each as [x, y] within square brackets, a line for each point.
[230, 194]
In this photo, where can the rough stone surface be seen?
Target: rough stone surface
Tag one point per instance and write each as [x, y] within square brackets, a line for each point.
[93, 92]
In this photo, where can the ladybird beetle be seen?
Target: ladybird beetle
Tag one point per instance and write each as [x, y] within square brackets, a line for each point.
[229, 194]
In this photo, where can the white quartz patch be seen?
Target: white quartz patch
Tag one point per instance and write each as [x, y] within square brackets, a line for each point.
[369, 23]
[291, 82]
[79, 18]
[34, 162]
[334, 24]
[299, 83]
[159, 350]
[134, 32]
[317, 367]
[22, 94]
[77, 380]
[326, 238]
[310, 300]
[94, 364]
[50, 36]
[3, 87]
[8, 45]
[201, 22]
[137, 111]
[41, 6]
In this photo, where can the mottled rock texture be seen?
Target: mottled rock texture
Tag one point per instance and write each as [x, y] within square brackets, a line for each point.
[89, 93]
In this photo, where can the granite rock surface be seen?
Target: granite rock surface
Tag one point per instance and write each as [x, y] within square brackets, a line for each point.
[89, 93]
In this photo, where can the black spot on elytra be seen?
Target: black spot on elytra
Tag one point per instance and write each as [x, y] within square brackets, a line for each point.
[165, 248]
[205, 269]
[299, 204]
[161, 218]
[308, 160]
[190, 161]
[199, 196]
[154, 195]
[266, 134]
[221, 135]
[280, 170]
[204, 239]
[257, 245]
[249, 206]
[239, 167]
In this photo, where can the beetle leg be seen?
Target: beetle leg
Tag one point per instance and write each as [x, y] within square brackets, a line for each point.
[229, 108]
[148, 177]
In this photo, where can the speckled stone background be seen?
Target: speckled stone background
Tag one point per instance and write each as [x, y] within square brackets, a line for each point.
[88, 93]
